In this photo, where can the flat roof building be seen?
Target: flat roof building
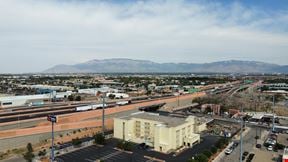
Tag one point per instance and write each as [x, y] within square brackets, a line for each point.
[285, 155]
[163, 133]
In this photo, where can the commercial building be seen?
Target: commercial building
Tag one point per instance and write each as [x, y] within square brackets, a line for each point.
[94, 91]
[163, 133]
[13, 101]
[285, 155]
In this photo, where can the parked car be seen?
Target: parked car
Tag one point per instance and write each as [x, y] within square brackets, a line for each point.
[235, 144]
[250, 157]
[258, 145]
[245, 153]
[270, 148]
[229, 151]
[143, 146]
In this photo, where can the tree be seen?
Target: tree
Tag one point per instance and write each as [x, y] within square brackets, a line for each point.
[28, 156]
[99, 139]
[202, 158]
[29, 147]
[279, 146]
[213, 149]
[111, 96]
[42, 153]
[78, 98]
[125, 145]
[71, 98]
[207, 153]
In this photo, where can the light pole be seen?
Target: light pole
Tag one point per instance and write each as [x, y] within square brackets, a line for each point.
[53, 119]
[103, 113]
[241, 136]
[273, 121]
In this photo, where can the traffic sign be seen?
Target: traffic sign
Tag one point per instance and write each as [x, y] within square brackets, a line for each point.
[52, 118]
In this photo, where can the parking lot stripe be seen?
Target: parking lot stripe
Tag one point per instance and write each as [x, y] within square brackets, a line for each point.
[90, 160]
[111, 155]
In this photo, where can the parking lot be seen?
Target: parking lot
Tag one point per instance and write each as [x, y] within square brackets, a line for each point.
[249, 143]
[107, 154]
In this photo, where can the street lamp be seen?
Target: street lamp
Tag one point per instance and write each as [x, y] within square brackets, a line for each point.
[53, 119]
[241, 136]
[103, 113]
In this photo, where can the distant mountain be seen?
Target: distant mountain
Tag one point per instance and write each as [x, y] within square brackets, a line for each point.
[142, 66]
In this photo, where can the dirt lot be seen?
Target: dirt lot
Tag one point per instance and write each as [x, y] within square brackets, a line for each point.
[282, 138]
[263, 155]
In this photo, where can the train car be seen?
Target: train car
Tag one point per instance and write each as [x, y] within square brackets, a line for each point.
[97, 106]
[83, 108]
[120, 103]
[90, 107]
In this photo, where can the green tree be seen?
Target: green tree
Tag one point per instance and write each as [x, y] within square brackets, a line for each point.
[125, 145]
[28, 156]
[29, 147]
[99, 139]
[213, 149]
[111, 96]
[71, 98]
[78, 98]
[207, 153]
[202, 158]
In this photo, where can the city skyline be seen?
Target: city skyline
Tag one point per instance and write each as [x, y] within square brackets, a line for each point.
[38, 35]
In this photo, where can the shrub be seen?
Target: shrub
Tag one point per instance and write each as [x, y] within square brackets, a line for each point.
[42, 153]
[124, 145]
[202, 158]
[99, 139]
[76, 142]
[28, 156]
[207, 153]
[213, 149]
[279, 146]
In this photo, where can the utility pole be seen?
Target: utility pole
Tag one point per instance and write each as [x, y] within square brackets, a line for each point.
[103, 113]
[241, 136]
[178, 99]
[273, 121]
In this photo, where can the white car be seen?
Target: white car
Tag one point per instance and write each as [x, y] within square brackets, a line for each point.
[228, 151]
[270, 148]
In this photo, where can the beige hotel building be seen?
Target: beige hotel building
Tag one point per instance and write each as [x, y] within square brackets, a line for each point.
[163, 133]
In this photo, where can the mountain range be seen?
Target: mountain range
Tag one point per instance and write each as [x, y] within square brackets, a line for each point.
[121, 65]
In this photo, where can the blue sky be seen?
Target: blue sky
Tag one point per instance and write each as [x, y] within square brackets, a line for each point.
[36, 35]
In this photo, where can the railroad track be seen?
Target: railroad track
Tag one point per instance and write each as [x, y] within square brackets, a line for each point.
[38, 112]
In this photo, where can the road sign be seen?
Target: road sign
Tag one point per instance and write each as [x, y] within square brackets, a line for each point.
[52, 118]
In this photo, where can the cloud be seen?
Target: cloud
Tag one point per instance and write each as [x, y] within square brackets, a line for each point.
[35, 35]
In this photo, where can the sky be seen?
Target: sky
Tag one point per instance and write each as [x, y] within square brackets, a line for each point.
[36, 35]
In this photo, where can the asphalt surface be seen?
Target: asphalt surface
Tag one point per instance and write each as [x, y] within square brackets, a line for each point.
[107, 153]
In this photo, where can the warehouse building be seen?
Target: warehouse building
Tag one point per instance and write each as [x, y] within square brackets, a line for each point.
[163, 133]
[31, 100]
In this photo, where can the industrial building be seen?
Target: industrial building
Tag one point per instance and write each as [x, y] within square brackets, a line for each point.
[31, 100]
[163, 133]
[285, 155]
[94, 91]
